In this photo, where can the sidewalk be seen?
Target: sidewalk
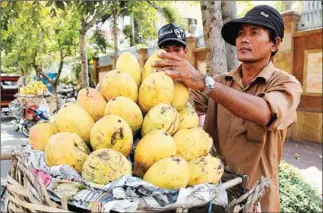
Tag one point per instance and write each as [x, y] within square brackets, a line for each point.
[307, 157]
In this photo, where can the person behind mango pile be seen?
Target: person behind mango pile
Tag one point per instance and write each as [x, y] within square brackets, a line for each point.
[249, 109]
[172, 39]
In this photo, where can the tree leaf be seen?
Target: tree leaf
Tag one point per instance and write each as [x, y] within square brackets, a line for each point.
[60, 5]
[3, 4]
[68, 2]
[52, 12]
[49, 3]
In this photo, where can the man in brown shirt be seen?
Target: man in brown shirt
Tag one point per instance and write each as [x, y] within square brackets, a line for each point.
[248, 110]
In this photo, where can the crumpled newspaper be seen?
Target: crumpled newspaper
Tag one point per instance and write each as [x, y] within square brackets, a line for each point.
[126, 194]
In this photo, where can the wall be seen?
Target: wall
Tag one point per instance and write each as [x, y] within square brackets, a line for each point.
[300, 54]
[307, 69]
[309, 42]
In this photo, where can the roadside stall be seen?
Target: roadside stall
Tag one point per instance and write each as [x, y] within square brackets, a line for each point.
[35, 95]
[130, 145]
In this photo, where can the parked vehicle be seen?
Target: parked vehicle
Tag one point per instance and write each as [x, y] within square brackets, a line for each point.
[8, 90]
[67, 95]
[24, 125]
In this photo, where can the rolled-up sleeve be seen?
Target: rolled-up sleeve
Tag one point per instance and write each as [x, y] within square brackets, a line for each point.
[283, 98]
[199, 101]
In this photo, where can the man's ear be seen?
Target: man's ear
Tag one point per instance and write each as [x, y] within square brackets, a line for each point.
[276, 45]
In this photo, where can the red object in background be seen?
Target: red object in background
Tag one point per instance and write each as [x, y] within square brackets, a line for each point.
[29, 114]
[8, 88]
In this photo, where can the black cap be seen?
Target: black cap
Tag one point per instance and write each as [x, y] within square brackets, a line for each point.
[261, 15]
[171, 33]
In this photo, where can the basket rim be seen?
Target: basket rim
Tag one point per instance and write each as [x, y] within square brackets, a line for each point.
[245, 197]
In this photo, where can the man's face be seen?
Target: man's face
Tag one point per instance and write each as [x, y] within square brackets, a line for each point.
[178, 50]
[253, 43]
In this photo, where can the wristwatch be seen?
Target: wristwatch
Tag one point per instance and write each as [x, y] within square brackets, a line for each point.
[209, 85]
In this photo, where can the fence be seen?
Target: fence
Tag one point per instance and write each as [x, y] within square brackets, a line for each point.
[311, 16]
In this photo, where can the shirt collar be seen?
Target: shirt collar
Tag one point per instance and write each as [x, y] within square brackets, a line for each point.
[265, 73]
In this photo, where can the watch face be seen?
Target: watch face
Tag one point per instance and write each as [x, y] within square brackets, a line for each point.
[209, 81]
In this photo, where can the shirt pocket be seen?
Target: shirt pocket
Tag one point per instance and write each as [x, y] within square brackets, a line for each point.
[237, 128]
[255, 133]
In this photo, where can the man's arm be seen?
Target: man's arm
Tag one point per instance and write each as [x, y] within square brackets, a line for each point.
[243, 105]
[248, 107]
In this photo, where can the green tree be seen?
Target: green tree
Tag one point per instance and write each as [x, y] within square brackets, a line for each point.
[18, 52]
[243, 7]
[91, 13]
[64, 37]
[118, 9]
[144, 14]
[125, 8]
[88, 13]
[34, 37]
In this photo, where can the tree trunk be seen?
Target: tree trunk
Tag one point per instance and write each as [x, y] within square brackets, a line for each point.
[136, 31]
[212, 24]
[23, 79]
[47, 78]
[35, 66]
[94, 72]
[37, 76]
[229, 11]
[84, 65]
[37, 71]
[132, 34]
[59, 71]
[115, 37]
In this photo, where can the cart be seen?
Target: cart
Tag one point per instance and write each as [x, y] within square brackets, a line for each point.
[33, 101]
[27, 193]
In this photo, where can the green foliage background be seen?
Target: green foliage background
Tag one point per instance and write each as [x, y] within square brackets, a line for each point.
[296, 195]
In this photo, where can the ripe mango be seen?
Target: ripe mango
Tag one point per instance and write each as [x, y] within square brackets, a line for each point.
[92, 101]
[162, 116]
[73, 118]
[148, 69]
[127, 109]
[112, 132]
[40, 134]
[66, 148]
[153, 147]
[117, 83]
[192, 143]
[156, 88]
[188, 118]
[206, 169]
[128, 63]
[105, 165]
[181, 95]
[169, 173]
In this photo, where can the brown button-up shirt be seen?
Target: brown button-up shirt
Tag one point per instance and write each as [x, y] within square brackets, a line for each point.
[246, 147]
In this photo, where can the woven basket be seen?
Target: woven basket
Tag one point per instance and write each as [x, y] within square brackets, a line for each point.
[25, 193]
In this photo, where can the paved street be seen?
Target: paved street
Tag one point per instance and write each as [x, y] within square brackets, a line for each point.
[304, 155]
[9, 139]
[307, 157]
